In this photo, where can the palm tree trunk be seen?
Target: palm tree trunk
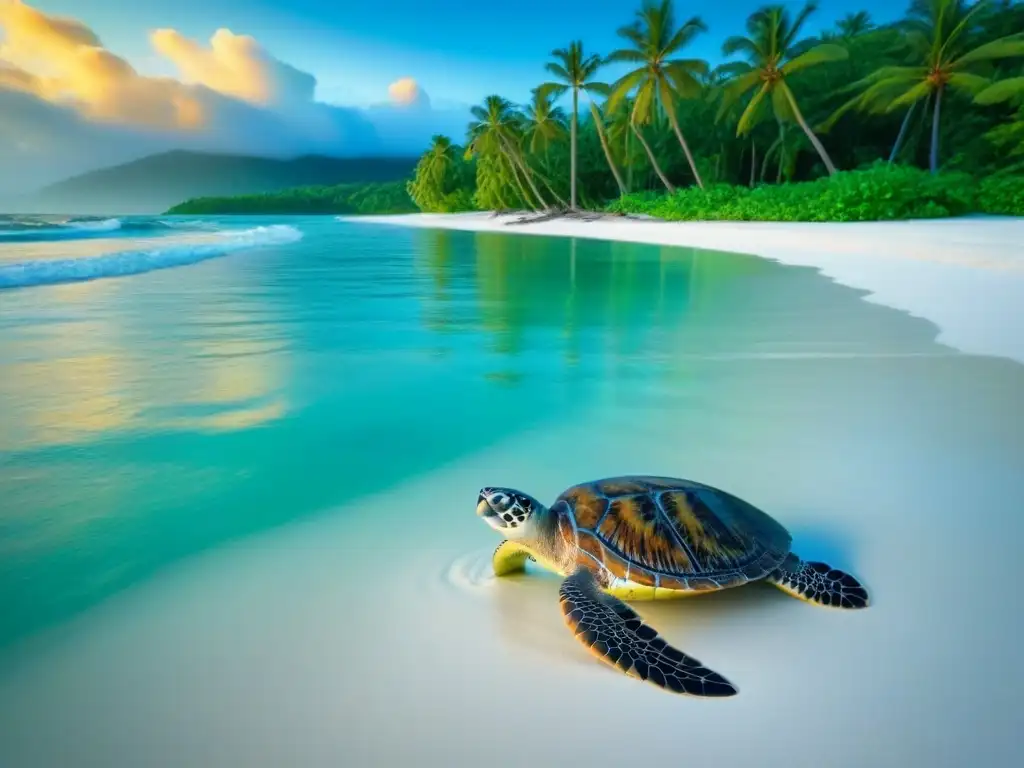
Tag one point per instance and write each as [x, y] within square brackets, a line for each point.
[933, 160]
[572, 151]
[607, 150]
[807, 129]
[522, 190]
[546, 183]
[629, 160]
[514, 155]
[650, 155]
[782, 158]
[753, 161]
[901, 134]
[682, 142]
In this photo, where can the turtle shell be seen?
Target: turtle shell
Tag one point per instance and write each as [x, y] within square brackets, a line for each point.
[671, 533]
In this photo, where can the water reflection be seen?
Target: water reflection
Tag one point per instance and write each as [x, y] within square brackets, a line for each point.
[531, 288]
[71, 379]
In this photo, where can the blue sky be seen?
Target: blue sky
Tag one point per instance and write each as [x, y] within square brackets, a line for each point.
[458, 50]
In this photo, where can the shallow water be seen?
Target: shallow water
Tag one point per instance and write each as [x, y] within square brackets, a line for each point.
[238, 528]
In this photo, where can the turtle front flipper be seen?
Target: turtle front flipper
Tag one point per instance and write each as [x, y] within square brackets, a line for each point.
[510, 557]
[819, 583]
[613, 632]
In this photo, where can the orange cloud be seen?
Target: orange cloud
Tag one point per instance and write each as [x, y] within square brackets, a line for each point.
[407, 92]
[237, 66]
[68, 104]
[62, 61]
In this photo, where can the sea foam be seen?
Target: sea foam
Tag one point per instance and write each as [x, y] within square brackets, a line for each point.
[123, 263]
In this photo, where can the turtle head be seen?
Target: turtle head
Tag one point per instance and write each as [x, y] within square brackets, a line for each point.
[507, 511]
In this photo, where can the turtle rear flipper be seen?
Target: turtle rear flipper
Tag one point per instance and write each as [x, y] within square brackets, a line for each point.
[613, 632]
[819, 583]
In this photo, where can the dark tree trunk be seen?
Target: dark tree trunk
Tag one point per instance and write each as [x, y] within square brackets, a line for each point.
[650, 156]
[933, 160]
[901, 134]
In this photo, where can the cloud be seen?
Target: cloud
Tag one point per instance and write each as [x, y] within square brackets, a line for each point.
[68, 104]
[406, 92]
[62, 61]
[236, 65]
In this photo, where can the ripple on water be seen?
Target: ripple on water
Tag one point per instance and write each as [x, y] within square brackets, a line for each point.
[472, 572]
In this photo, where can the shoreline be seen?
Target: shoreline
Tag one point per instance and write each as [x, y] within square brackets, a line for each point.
[964, 275]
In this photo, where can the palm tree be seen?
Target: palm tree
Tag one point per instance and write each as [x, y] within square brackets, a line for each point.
[769, 51]
[855, 24]
[542, 124]
[660, 80]
[439, 158]
[576, 72]
[1010, 134]
[495, 127]
[941, 35]
[599, 123]
[785, 150]
[620, 135]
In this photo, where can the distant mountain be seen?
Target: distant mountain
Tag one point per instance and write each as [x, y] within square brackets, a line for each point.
[155, 183]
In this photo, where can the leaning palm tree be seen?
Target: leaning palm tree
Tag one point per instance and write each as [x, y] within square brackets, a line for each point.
[620, 135]
[768, 47]
[496, 128]
[542, 125]
[660, 80]
[576, 72]
[944, 44]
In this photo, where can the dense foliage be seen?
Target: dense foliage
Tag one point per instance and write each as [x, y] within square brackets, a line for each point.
[386, 197]
[879, 193]
[833, 127]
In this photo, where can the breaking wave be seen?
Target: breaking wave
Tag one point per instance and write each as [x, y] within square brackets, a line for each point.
[123, 263]
[41, 229]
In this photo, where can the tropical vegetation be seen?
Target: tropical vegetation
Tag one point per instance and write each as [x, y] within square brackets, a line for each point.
[921, 117]
[351, 199]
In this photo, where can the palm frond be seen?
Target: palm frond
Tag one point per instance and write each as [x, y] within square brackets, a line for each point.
[1004, 90]
[1003, 48]
[684, 36]
[818, 55]
[916, 93]
[754, 112]
[968, 83]
[791, 34]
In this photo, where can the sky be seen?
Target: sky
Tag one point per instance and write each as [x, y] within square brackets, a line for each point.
[84, 83]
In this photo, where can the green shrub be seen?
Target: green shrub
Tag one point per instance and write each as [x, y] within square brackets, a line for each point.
[1002, 195]
[878, 193]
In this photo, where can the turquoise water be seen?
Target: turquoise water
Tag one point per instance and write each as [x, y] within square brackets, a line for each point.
[249, 464]
[154, 416]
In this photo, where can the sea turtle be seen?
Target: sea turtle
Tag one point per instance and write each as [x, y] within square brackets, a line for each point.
[652, 538]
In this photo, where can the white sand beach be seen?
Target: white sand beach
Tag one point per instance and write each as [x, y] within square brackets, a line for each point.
[965, 275]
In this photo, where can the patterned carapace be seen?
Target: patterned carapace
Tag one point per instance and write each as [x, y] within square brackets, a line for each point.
[671, 533]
